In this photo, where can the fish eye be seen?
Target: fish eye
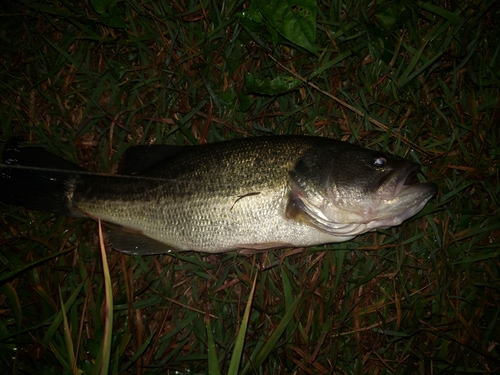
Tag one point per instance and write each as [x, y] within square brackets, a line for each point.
[379, 161]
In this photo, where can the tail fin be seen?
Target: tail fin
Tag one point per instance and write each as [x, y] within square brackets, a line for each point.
[36, 179]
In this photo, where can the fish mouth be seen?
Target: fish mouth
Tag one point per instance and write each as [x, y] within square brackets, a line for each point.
[412, 177]
[403, 181]
[401, 195]
[412, 185]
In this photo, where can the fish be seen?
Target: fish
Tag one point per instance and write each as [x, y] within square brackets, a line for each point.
[250, 194]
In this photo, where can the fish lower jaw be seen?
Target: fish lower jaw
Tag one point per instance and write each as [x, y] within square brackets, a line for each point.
[356, 229]
[398, 218]
[370, 219]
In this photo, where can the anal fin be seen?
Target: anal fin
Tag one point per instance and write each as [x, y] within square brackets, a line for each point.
[136, 243]
[249, 249]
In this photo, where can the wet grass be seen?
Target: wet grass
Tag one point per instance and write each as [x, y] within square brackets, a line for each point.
[419, 80]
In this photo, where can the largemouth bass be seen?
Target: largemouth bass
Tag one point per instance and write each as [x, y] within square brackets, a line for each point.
[253, 193]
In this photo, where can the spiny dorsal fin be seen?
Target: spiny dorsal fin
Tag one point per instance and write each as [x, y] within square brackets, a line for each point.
[142, 159]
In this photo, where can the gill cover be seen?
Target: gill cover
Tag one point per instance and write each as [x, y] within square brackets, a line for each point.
[310, 199]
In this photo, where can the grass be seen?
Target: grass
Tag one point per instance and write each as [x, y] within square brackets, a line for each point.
[419, 79]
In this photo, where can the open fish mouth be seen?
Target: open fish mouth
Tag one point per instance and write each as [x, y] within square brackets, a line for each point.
[401, 181]
[412, 178]
[412, 185]
[400, 195]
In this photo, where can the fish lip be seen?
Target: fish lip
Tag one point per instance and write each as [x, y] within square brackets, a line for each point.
[418, 192]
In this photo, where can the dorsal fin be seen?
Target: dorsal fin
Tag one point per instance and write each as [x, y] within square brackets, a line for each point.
[142, 159]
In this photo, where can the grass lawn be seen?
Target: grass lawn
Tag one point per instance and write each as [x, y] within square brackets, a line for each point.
[89, 79]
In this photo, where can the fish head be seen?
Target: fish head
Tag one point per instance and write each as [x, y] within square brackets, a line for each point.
[351, 190]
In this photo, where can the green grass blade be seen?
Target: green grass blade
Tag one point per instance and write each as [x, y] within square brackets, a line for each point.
[137, 354]
[20, 270]
[103, 359]
[450, 16]
[70, 351]
[11, 294]
[213, 362]
[240, 339]
[259, 358]
[58, 319]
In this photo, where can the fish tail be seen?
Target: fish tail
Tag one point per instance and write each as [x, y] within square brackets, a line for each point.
[36, 179]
